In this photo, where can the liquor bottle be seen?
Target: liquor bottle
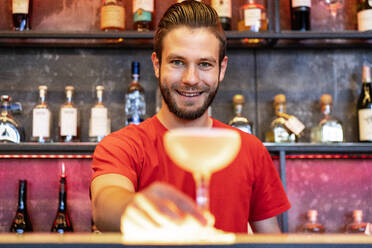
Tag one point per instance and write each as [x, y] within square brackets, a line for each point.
[300, 15]
[68, 119]
[357, 226]
[135, 105]
[62, 221]
[21, 10]
[364, 10]
[21, 222]
[112, 15]
[41, 118]
[329, 129]
[10, 130]
[223, 8]
[279, 131]
[364, 107]
[252, 18]
[312, 225]
[143, 11]
[100, 123]
[240, 121]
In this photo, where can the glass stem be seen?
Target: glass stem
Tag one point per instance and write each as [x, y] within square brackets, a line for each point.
[202, 192]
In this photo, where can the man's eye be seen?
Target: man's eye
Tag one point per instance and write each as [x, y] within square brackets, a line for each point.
[205, 64]
[177, 62]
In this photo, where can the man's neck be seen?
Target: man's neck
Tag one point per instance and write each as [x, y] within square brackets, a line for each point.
[171, 121]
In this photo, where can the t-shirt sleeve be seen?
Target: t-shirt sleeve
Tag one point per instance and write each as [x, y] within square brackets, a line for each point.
[119, 156]
[269, 198]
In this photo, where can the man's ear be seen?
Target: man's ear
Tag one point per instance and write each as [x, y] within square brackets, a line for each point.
[223, 68]
[156, 65]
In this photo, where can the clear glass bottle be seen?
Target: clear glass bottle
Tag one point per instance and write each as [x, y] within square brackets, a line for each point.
[240, 121]
[112, 15]
[10, 130]
[69, 129]
[329, 128]
[100, 123]
[278, 132]
[357, 226]
[21, 11]
[223, 8]
[364, 107]
[135, 105]
[252, 17]
[143, 14]
[41, 118]
[21, 222]
[312, 225]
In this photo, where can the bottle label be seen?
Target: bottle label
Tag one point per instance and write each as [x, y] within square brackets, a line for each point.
[301, 3]
[20, 6]
[365, 20]
[370, 3]
[68, 120]
[41, 123]
[294, 125]
[98, 122]
[146, 5]
[365, 124]
[223, 7]
[112, 17]
[332, 134]
[252, 17]
[142, 16]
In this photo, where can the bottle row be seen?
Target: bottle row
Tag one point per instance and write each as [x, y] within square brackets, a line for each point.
[252, 14]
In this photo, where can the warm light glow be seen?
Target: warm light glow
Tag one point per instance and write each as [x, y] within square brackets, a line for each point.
[63, 170]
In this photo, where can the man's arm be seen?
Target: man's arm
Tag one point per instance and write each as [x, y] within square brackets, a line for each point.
[269, 225]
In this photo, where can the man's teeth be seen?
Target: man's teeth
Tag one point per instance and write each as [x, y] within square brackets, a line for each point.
[190, 94]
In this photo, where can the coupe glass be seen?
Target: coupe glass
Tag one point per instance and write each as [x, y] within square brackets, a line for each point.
[202, 151]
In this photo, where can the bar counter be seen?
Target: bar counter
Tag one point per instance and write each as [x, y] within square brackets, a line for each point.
[251, 241]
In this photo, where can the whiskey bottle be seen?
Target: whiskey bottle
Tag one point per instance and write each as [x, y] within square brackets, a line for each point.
[329, 129]
[223, 8]
[364, 107]
[10, 130]
[68, 119]
[143, 11]
[135, 105]
[100, 123]
[21, 11]
[357, 226]
[312, 225]
[279, 131]
[62, 221]
[240, 121]
[41, 118]
[21, 222]
[364, 10]
[300, 15]
[112, 15]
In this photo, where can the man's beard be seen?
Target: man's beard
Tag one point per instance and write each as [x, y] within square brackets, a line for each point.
[186, 114]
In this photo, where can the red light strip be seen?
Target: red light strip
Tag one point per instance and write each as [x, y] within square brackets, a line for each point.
[25, 156]
[325, 156]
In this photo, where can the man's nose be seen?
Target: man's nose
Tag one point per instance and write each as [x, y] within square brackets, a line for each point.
[190, 75]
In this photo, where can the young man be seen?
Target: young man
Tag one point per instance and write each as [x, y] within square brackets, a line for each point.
[131, 164]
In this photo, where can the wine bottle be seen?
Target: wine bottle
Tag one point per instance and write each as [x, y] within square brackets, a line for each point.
[62, 221]
[41, 118]
[300, 15]
[112, 15]
[21, 222]
[223, 8]
[21, 10]
[364, 107]
[143, 11]
[364, 15]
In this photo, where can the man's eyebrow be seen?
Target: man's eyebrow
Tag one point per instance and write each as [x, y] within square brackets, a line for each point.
[174, 56]
[210, 59]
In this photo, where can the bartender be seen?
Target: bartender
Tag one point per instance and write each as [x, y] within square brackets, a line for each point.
[131, 164]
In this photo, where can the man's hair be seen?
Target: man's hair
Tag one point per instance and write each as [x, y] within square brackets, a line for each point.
[192, 14]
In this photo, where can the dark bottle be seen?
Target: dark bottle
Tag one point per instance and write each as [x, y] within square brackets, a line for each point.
[10, 130]
[357, 226]
[312, 225]
[300, 15]
[62, 221]
[364, 107]
[223, 8]
[21, 10]
[21, 222]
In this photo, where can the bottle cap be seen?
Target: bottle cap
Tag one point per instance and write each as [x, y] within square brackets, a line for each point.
[312, 214]
[358, 214]
[5, 98]
[69, 88]
[326, 99]
[280, 98]
[135, 68]
[238, 99]
[366, 73]
[100, 87]
[43, 87]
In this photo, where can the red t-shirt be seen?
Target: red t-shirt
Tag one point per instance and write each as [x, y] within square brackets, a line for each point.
[249, 189]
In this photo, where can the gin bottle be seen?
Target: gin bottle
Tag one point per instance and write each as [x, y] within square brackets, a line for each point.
[135, 105]
[240, 121]
[312, 225]
[10, 130]
[68, 119]
[329, 129]
[357, 226]
[100, 123]
[41, 118]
